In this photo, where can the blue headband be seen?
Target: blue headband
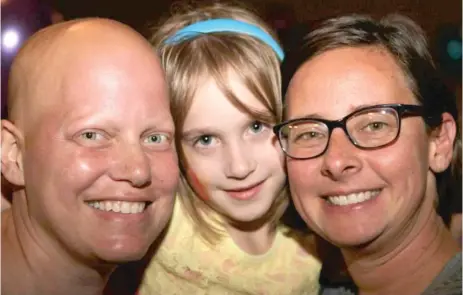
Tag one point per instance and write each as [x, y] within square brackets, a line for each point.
[225, 25]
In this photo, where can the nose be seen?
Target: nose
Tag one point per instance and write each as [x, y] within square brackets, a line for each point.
[240, 162]
[132, 165]
[341, 158]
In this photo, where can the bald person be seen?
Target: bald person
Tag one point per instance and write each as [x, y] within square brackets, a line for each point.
[88, 149]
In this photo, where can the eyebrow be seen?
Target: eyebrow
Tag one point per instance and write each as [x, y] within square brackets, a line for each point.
[84, 122]
[163, 124]
[351, 110]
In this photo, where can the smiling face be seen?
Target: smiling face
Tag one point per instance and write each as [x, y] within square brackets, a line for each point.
[235, 157]
[348, 195]
[99, 164]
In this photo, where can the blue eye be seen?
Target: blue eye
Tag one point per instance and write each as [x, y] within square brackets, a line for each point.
[256, 126]
[157, 138]
[205, 140]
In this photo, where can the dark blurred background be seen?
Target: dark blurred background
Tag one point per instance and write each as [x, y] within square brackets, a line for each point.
[441, 20]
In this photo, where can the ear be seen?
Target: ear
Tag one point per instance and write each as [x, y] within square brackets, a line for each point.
[441, 144]
[12, 158]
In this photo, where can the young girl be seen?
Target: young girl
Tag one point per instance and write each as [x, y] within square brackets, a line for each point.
[222, 66]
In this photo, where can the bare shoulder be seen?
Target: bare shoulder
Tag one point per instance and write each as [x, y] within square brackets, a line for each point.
[7, 226]
[14, 277]
[5, 260]
[6, 215]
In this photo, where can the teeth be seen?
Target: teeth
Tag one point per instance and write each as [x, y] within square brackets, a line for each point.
[118, 206]
[349, 199]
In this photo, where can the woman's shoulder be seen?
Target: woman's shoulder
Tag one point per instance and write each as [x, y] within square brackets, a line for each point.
[449, 280]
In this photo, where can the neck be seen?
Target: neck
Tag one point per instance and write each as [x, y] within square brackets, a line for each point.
[37, 267]
[254, 237]
[406, 263]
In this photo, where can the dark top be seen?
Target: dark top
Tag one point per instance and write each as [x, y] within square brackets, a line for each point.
[447, 282]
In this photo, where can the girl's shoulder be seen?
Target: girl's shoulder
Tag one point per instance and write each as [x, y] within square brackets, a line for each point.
[180, 234]
[306, 240]
[297, 249]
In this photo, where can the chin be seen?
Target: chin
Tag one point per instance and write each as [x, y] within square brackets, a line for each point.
[119, 257]
[350, 239]
[248, 216]
[122, 253]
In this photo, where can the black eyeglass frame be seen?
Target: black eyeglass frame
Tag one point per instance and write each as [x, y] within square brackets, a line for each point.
[402, 111]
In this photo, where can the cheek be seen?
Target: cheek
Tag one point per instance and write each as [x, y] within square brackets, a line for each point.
[201, 172]
[404, 169]
[76, 169]
[301, 175]
[271, 164]
[60, 175]
[269, 156]
[403, 165]
[165, 170]
[204, 167]
[85, 168]
[206, 171]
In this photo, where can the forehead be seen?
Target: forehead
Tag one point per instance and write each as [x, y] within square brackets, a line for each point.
[347, 78]
[211, 105]
[105, 83]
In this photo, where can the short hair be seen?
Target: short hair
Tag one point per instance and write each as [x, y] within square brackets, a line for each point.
[407, 43]
[214, 55]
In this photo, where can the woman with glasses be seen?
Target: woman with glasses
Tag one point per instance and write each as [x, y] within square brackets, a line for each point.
[371, 145]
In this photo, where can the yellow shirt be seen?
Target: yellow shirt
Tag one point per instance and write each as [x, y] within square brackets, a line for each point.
[186, 265]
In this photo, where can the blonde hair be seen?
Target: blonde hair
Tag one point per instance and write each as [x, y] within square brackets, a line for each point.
[214, 55]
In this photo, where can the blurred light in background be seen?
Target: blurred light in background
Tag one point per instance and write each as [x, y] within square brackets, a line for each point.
[10, 39]
[449, 50]
[20, 19]
[454, 49]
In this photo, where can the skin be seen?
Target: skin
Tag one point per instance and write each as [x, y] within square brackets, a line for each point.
[394, 243]
[455, 227]
[90, 121]
[5, 192]
[229, 150]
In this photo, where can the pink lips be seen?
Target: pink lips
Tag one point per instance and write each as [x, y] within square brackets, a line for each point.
[245, 193]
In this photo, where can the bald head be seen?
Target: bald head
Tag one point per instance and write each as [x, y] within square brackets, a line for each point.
[61, 53]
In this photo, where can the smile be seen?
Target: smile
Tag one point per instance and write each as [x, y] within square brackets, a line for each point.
[124, 207]
[245, 193]
[354, 198]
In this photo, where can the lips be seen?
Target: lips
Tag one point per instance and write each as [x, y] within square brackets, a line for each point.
[245, 193]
